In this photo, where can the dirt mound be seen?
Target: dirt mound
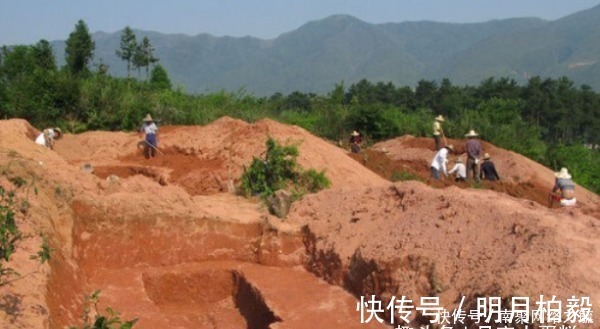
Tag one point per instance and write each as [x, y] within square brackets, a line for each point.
[203, 159]
[412, 240]
[521, 177]
[165, 245]
[129, 229]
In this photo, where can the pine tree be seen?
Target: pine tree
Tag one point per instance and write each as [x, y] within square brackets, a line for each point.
[79, 49]
[144, 56]
[128, 48]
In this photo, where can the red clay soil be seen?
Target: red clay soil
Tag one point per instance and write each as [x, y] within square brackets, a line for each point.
[219, 151]
[521, 177]
[412, 240]
[134, 218]
[164, 243]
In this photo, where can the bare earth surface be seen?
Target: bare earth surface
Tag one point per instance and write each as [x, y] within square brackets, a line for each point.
[168, 242]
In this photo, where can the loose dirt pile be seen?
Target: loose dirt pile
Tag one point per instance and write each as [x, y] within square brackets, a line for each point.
[168, 243]
[412, 240]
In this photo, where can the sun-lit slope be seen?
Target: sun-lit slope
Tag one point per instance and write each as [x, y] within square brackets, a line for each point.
[128, 236]
[225, 146]
[414, 240]
[520, 176]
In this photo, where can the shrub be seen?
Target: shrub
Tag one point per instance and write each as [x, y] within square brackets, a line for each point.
[279, 170]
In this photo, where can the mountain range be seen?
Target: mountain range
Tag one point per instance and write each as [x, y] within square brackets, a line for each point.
[319, 54]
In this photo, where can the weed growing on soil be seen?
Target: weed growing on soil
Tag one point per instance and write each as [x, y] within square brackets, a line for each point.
[109, 321]
[398, 176]
[279, 170]
[45, 252]
[9, 232]
[478, 185]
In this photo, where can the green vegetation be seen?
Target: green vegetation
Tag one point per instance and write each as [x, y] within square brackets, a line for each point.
[279, 170]
[79, 49]
[111, 320]
[9, 232]
[10, 235]
[45, 252]
[548, 120]
[398, 176]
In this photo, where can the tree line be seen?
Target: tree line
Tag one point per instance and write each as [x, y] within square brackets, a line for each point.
[549, 120]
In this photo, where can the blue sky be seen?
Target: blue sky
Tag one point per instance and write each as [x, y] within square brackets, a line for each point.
[28, 21]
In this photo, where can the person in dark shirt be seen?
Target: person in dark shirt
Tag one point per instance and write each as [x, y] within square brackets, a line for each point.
[564, 184]
[355, 142]
[488, 170]
[474, 151]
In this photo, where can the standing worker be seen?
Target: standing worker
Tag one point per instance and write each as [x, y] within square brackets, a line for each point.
[438, 132]
[48, 136]
[151, 130]
[474, 151]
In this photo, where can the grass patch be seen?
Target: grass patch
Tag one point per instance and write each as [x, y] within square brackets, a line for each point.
[400, 176]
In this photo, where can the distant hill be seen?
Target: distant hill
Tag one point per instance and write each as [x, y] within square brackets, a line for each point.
[342, 48]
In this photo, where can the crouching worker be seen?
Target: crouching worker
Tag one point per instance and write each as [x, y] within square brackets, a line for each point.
[563, 191]
[151, 142]
[488, 170]
[48, 136]
[438, 165]
[460, 169]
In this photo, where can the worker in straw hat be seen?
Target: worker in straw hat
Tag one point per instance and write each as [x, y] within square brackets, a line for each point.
[460, 169]
[438, 165]
[48, 136]
[565, 185]
[488, 170]
[474, 152]
[355, 142]
[150, 129]
[438, 132]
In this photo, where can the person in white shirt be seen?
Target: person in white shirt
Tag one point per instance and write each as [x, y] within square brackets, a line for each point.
[150, 129]
[460, 169]
[438, 165]
[48, 136]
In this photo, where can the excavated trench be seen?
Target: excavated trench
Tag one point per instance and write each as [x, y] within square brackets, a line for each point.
[103, 172]
[168, 272]
[180, 272]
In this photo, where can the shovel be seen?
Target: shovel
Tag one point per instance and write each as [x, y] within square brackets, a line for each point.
[152, 146]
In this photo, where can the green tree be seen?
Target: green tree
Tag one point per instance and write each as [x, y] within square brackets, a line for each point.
[79, 49]
[44, 56]
[426, 94]
[28, 75]
[127, 48]
[159, 78]
[144, 56]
